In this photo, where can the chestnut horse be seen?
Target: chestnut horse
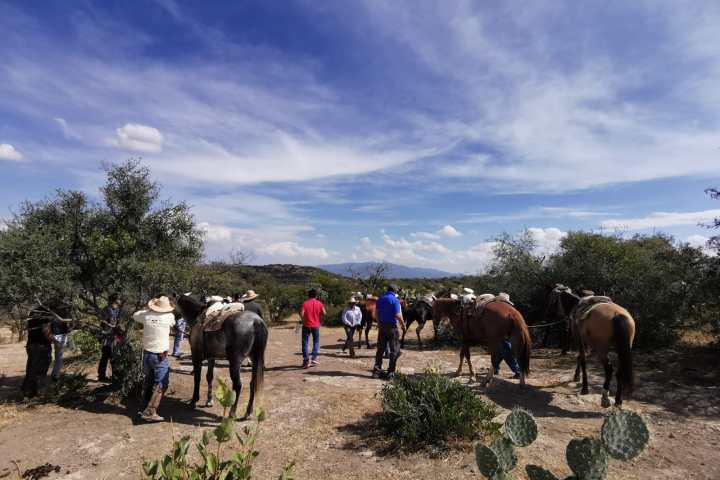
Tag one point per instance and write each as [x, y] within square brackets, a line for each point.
[496, 322]
[369, 316]
[604, 326]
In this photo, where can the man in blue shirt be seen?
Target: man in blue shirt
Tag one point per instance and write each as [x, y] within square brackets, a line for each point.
[389, 316]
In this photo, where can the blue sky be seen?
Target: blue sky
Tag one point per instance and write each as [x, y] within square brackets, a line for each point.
[413, 132]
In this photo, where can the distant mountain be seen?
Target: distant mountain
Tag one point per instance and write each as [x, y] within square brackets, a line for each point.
[393, 270]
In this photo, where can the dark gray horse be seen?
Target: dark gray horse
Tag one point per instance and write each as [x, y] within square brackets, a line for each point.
[419, 311]
[242, 335]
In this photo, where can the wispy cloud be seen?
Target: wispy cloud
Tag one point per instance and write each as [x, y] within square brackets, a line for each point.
[662, 220]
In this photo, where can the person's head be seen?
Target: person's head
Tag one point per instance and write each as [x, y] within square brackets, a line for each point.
[237, 296]
[392, 288]
[352, 302]
[312, 293]
[114, 300]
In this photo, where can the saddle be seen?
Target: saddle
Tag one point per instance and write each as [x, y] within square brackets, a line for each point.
[586, 305]
[217, 313]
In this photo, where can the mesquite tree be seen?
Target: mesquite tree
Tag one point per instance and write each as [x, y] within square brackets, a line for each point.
[72, 249]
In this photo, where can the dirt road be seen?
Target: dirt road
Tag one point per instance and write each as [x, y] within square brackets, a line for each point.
[319, 418]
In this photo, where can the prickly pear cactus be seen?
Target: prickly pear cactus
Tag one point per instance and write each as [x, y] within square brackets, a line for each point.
[503, 449]
[501, 476]
[520, 427]
[535, 472]
[487, 461]
[587, 458]
[624, 434]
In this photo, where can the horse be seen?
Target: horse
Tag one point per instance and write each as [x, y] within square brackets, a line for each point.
[604, 326]
[497, 321]
[243, 334]
[419, 311]
[369, 316]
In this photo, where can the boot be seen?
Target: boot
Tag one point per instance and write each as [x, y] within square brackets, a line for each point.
[150, 412]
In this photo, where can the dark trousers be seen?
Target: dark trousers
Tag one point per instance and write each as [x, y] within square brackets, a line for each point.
[388, 337]
[106, 356]
[505, 353]
[350, 340]
[36, 368]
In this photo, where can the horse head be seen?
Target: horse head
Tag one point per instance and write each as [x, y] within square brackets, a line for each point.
[449, 308]
[189, 307]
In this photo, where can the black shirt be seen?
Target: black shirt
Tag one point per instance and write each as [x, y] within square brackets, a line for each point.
[36, 336]
[253, 306]
[59, 328]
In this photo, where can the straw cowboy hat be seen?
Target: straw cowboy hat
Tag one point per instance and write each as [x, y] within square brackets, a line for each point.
[249, 295]
[160, 305]
[215, 298]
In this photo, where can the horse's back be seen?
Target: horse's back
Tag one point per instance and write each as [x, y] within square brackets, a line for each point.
[597, 326]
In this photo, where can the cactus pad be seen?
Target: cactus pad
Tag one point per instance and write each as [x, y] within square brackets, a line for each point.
[587, 458]
[505, 453]
[501, 476]
[520, 427]
[538, 473]
[624, 434]
[486, 460]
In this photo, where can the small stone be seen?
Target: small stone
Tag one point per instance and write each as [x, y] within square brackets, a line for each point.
[367, 453]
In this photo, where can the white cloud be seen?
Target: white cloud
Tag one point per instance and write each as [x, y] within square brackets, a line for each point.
[449, 231]
[139, 138]
[294, 251]
[425, 235]
[547, 239]
[68, 132]
[698, 241]
[661, 220]
[8, 152]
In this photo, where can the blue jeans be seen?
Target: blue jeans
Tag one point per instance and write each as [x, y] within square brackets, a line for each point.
[306, 332]
[156, 368]
[179, 330]
[505, 353]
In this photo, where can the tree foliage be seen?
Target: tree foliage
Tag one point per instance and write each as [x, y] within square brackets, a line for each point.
[69, 248]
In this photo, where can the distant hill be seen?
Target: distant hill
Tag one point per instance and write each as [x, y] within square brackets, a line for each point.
[393, 270]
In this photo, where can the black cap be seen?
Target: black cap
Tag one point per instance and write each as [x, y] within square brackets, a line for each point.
[393, 288]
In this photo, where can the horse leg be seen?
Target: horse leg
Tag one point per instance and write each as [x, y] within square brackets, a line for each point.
[253, 384]
[417, 332]
[583, 366]
[605, 401]
[402, 340]
[462, 357]
[467, 357]
[209, 378]
[367, 334]
[235, 378]
[493, 347]
[197, 373]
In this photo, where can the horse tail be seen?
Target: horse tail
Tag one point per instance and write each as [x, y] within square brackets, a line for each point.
[258, 361]
[525, 342]
[622, 335]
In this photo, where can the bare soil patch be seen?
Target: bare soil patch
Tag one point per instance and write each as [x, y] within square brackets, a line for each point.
[324, 418]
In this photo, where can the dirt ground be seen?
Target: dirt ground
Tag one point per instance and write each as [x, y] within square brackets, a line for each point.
[322, 418]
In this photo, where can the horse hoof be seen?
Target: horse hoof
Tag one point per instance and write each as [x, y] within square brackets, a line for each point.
[605, 403]
[209, 404]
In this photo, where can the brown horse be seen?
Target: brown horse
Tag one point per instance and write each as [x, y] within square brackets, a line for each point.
[497, 321]
[604, 326]
[369, 316]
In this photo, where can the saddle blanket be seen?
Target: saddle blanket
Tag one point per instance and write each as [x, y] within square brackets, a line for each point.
[217, 313]
[586, 305]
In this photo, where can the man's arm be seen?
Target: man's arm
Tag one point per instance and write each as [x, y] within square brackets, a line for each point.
[399, 316]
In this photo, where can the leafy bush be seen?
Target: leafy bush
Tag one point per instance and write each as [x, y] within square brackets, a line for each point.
[429, 409]
[333, 317]
[175, 466]
[67, 388]
[127, 368]
[87, 343]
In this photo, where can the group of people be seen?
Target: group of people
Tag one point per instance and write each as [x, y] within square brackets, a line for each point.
[160, 315]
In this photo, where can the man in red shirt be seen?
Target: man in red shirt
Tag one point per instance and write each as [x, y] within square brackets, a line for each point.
[310, 312]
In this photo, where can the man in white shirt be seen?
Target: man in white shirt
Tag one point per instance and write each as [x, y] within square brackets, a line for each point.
[156, 320]
[351, 318]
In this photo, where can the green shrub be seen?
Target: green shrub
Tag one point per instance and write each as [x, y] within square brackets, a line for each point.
[87, 343]
[429, 409]
[333, 317]
[213, 466]
[127, 371]
[67, 388]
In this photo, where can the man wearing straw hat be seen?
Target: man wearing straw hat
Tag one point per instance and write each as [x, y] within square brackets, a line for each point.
[250, 304]
[351, 318]
[156, 320]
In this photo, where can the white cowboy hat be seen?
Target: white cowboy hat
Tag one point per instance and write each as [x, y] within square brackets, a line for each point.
[468, 290]
[249, 295]
[215, 298]
[160, 305]
[353, 300]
